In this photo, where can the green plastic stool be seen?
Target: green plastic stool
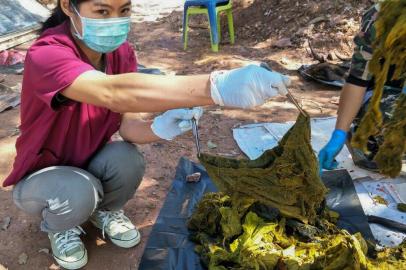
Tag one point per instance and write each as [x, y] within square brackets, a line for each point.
[219, 9]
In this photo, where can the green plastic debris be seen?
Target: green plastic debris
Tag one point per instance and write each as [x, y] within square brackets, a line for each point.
[254, 243]
[401, 207]
[285, 177]
[380, 200]
[270, 215]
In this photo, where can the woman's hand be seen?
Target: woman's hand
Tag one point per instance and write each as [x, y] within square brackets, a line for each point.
[247, 87]
[175, 122]
[331, 150]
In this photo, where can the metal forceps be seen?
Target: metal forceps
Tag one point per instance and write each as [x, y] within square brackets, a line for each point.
[195, 131]
[294, 101]
[289, 94]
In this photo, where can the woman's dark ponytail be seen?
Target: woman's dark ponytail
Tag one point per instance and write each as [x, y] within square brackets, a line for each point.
[58, 16]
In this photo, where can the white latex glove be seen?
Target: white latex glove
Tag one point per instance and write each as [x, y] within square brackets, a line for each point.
[247, 87]
[175, 122]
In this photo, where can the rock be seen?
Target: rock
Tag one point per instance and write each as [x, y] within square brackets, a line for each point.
[342, 57]
[337, 20]
[5, 223]
[305, 31]
[319, 19]
[283, 43]
[22, 259]
[193, 178]
[211, 145]
[54, 267]
[44, 250]
[2, 267]
[100, 242]
[331, 56]
[284, 61]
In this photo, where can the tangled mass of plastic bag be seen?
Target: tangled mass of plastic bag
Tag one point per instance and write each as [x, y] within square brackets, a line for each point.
[270, 214]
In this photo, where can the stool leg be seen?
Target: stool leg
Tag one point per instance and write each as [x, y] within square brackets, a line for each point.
[214, 47]
[213, 25]
[185, 28]
[231, 26]
[219, 25]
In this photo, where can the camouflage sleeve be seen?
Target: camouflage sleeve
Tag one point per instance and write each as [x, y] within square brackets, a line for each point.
[359, 72]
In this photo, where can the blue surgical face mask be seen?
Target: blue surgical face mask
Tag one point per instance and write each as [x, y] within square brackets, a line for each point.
[103, 35]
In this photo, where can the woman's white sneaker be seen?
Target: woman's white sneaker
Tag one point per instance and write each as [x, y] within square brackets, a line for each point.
[68, 249]
[117, 226]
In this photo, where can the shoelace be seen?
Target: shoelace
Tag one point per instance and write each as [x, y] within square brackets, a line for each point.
[69, 239]
[116, 218]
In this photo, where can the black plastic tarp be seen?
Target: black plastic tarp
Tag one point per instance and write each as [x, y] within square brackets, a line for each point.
[169, 247]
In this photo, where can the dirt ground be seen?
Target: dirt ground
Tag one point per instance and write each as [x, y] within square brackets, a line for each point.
[158, 44]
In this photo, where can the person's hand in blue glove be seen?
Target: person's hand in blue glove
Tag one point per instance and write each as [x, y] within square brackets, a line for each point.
[247, 87]
[331, 150]
[175, 122]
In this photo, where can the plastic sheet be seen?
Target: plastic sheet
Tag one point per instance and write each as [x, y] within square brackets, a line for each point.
[306, 72]
[20, 15]
[169, 247]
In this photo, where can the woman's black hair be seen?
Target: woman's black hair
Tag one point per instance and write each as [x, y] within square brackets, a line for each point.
[58, 16]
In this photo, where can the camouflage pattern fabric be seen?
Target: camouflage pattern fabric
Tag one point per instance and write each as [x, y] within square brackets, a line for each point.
[363, 46]
[387, 105]
[360, 75]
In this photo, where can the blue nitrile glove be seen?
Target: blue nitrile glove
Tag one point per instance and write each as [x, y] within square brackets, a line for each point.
[331, 150]
[247, 87]
[175, 122]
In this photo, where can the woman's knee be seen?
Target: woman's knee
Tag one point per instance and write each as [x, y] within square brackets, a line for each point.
[64, 197]
[121, 162]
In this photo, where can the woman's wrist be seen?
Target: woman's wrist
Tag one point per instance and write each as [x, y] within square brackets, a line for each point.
[214, 91]
[338, 138]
